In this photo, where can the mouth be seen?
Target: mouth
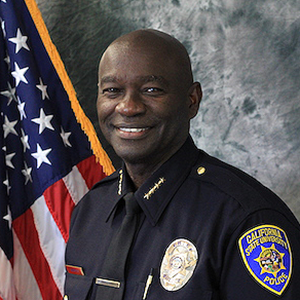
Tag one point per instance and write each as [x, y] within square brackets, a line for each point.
[132, 132]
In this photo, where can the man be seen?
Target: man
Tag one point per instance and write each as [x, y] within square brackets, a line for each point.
[202, 229]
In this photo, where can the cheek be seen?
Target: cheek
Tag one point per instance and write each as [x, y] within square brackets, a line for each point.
[104, 109]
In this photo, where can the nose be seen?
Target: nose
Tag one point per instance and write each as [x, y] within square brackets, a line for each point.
[131, 104]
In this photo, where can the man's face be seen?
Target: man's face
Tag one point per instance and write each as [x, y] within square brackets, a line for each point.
[143, 106]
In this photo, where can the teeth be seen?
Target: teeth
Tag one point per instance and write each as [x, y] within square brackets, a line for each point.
[132, 129]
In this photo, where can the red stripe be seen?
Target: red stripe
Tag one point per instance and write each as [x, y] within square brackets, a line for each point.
[28, 237]
[91, 171]
[60, 205]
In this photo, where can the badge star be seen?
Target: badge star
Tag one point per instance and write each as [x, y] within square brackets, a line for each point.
[8, 159]
[27, 173]
[8, 127]
[19, 74]
[268, 267]
[43, 88]
[65, 137]
[10, 94]
[41, 156]
[21, 108]
[20, 41]
[43, 121]
[8, 217]
[24, 140]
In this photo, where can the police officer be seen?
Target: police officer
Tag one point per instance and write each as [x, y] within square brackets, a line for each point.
[200, 229]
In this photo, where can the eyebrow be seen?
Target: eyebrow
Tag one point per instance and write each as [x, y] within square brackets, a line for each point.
[143, 79]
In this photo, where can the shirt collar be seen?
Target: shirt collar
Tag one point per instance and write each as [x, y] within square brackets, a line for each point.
[155, 194]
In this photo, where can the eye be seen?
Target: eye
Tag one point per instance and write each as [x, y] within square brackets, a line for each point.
[112, 92]
[154, 91]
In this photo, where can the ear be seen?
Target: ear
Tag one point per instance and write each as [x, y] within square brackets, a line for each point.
[195, 96]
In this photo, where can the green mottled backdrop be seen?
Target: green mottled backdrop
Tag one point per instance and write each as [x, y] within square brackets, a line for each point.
[244, 53]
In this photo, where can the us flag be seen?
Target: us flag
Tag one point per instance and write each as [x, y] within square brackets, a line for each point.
[49, 156]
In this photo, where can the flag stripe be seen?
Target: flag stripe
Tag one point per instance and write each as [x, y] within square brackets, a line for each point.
[91, 171]
[25, 282]
[49, 156]
[7, 290]
[51, 241]
[60, 205]
[26, 231]
[75, 184]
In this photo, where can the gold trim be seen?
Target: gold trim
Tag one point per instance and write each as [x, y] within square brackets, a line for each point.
[155, 188]
[120, 182]
[82, 119]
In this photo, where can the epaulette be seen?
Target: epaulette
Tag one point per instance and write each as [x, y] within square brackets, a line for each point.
[250, 193]
[110, 178]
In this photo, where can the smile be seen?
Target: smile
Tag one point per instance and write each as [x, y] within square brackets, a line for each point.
[133, 130]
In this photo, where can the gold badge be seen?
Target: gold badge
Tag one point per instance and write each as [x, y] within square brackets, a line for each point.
[178, 264]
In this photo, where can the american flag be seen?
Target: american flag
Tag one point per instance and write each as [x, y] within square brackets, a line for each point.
[46, 158]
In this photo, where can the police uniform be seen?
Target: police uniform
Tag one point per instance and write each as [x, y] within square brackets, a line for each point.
[206, 231]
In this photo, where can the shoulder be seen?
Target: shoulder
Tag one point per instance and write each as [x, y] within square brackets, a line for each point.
[108, 180]
[100, 196]
[247, 191]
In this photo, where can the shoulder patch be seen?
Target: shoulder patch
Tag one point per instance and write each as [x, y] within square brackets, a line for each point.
[267, 255]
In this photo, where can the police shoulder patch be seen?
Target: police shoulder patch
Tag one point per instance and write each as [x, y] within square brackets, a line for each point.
[267, 255]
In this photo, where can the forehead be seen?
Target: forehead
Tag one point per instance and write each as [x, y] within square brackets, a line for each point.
[146, 62]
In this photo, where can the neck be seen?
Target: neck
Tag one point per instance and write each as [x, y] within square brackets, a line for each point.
[140, 170]
[139, 173]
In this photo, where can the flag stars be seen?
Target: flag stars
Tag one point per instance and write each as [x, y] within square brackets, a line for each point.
[24, 140]
[65, 137]
[41, 156]
[8, 127]
[3, 28]
[19, 74]
[7, 60]
[20, 41]
[27, 173]
[21, 108]
[43, 88]
[8, 217]
[8, 160]
[8, 187]
[43, 121]
[9, 94]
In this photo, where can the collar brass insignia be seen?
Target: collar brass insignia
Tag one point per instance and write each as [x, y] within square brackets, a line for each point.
[154, 188]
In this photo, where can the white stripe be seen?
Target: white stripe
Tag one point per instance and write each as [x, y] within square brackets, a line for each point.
[51, 241]
[75, 184]
[7, 288]
[26, 285]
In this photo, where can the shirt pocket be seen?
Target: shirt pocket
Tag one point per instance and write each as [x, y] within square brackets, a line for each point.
[77, 287]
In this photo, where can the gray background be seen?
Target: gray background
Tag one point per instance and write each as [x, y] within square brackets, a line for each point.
[245, 53]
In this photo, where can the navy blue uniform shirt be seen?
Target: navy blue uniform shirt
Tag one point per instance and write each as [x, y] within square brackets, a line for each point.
[207, 231]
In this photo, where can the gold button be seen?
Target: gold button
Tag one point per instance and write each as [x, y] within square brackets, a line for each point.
[200, 170]
[66, 297]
